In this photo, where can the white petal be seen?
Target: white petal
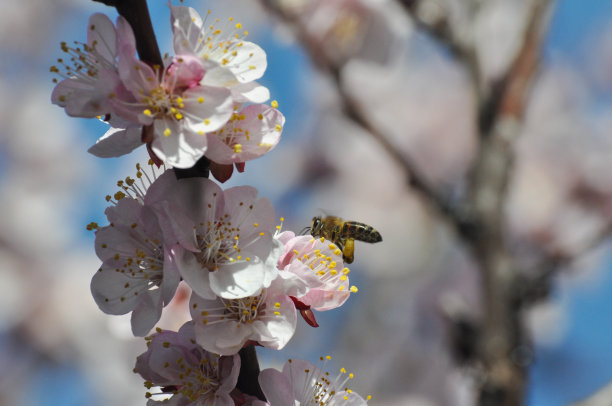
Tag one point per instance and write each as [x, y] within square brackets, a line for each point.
[101, 36]
[240, 280]
[117, 142]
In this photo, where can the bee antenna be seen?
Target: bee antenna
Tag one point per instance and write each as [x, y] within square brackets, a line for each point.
[305, 230]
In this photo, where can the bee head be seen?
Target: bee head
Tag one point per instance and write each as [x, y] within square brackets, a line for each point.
[316, 224]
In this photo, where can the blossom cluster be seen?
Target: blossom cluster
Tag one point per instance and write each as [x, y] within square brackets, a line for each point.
[248, 280]
[203, 101]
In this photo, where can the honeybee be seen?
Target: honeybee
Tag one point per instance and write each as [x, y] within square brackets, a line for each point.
[343, 233]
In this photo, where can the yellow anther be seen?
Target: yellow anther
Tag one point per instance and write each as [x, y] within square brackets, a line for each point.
[200, 100]
[274, 104]
[239, 26]
[354, 289]
[147, 112]
[167, 132]
[237, 148]
[178, 116]
[206, 121]
[278, 127]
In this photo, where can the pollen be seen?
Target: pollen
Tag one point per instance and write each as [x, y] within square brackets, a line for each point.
[274, 104]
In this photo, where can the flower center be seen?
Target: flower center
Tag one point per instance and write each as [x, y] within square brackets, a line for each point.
[199, 383]
[219, 243]
[244, 310]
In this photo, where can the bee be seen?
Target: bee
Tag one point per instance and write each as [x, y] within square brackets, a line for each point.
[343, 233]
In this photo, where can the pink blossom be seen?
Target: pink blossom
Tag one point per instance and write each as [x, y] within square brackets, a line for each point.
[224, 326]
[89, 84]
[301, 383]
[230, 61]
[222, 241]
[194, 377]
[318, 263]
[179, 109]
[250, 133]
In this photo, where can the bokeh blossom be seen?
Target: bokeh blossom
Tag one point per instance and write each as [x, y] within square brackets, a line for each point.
[193, 376]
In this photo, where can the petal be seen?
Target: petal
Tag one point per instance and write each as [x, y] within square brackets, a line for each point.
[125, 36]
[101, 36]
[250, 92]
[211, 105]
[249, 63]
[113, 291]
[193, 273]
[238, 281]
[117, 142]
[277, 387]
[186, 27]
[147, 313]
[173, 145]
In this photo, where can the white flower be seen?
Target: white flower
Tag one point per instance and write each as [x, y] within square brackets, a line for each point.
[250, 133]
[230, 61]
[302, 383]
[173, 103]
[90, 82]
[137, 273]
[224, 326]
[222, 241]
[193, 376]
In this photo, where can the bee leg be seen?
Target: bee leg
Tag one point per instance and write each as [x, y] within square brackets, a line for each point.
[349, 250]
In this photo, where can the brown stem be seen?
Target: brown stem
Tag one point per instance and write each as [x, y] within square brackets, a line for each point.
[249, 372]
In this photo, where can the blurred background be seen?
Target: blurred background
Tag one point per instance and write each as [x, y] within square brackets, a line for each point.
[58, 349]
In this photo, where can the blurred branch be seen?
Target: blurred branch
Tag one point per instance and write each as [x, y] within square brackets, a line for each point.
[533, 289]
[352, 109]
[500, 123]
[439, 28]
